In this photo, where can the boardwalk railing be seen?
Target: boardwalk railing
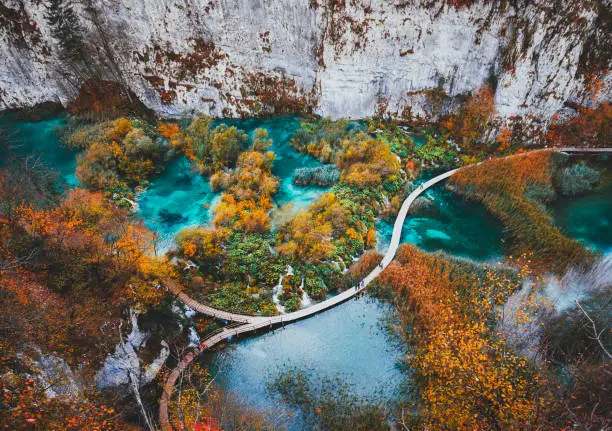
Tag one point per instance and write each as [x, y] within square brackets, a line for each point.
[254, 323]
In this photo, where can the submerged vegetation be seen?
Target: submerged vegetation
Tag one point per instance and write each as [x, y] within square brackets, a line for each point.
[76, 265]
[321, 176]
[331, 406]
[515, 189]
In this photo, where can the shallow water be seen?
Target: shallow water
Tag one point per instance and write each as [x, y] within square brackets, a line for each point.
[349, 341]
[176, 199]
[39, 138]
[451, 224]
[588, 217]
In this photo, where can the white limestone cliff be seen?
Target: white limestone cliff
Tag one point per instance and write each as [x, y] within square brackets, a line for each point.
[335, 57]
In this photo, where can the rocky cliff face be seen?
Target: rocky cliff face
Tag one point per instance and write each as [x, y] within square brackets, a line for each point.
[343, 58]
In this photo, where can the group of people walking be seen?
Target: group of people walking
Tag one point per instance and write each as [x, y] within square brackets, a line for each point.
[361, 284]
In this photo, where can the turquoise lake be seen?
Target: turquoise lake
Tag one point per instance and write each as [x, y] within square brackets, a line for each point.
[180, 197]
[359, 349]
[451, 225]
[39, 138]
[588, 217]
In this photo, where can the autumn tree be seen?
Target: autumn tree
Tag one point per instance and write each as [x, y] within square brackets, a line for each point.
[366, 161]
[590, 128]
[470, 124]
[249, 189]
[212, 149]
[118, 155]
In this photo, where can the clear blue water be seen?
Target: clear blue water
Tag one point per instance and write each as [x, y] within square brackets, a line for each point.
[452, 225]
[38, 138]
[359, 350]
[588, 217]
[176, 199]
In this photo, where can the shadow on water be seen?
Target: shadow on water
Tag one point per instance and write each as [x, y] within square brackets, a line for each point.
[176, 199]
[39, 138]
[588, 217]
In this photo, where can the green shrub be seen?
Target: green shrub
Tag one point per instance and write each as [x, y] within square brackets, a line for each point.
[315, 288]
[576, 179]
[436, 153]
[319, 176]
[322, 138]
[292, 304]
[233, 297]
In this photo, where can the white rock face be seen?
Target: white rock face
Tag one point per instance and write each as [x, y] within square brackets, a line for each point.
[57, 377]
[342, 59]
[124, 367]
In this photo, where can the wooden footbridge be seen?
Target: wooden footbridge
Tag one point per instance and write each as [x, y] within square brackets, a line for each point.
[243, 324]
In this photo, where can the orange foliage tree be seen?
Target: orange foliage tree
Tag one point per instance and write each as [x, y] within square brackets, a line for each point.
[366, 161]
[504, 186]
[250, 187]
[471, 379]
[117, 153]
[469, 124]
[91, 261]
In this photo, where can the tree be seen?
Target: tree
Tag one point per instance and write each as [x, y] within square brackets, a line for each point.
[261, 143]
[65, 27]
[469, 124]
[227, 143]
[212, 149]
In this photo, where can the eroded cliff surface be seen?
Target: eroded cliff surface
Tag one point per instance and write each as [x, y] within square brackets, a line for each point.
[340, 58]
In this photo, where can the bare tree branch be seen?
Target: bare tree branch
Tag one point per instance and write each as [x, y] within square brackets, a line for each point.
[596, 335]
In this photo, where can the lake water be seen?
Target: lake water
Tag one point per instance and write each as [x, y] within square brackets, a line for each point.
[451, 225]
[348, 341]
[39, 138]
[588, 217]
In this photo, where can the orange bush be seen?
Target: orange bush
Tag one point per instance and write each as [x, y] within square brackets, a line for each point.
[501, 185]
[470, 378]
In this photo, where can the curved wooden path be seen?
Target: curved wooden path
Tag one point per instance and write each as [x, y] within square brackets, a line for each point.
[254, 323]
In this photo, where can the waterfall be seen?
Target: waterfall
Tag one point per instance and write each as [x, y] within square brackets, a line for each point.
[278, 289]
[305, 301]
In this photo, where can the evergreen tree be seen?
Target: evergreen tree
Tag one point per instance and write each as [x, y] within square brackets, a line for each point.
[65, 27]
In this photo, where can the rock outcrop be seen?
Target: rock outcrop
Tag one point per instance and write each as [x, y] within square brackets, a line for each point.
[332, 57]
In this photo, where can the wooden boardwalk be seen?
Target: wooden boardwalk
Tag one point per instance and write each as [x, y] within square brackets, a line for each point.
[254, 323]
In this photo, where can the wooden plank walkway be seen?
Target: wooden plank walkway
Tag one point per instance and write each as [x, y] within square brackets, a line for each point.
[254, 323]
